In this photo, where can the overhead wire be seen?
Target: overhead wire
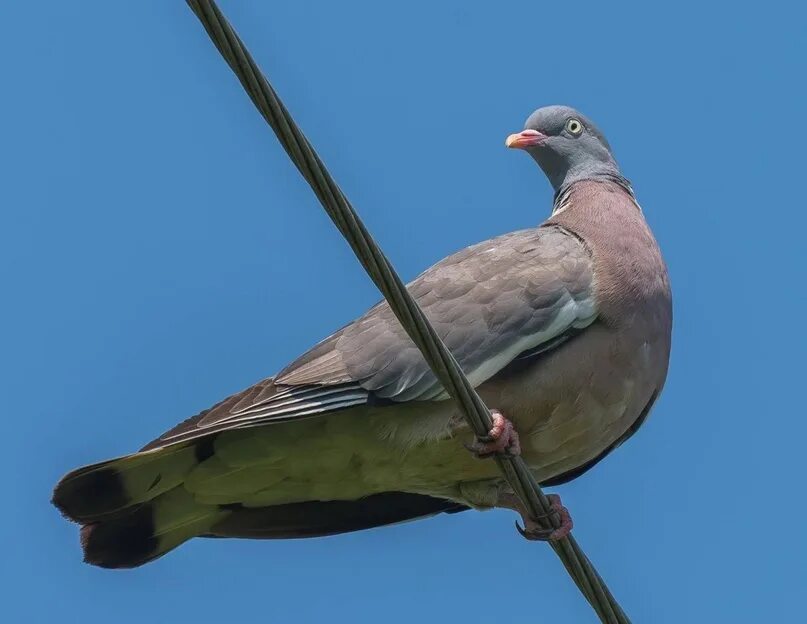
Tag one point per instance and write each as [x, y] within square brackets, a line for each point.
[417, 326]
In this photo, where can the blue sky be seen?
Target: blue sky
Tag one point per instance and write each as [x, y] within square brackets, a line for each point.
[158, 252]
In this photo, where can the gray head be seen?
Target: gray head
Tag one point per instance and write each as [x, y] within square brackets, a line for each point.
[567, 146]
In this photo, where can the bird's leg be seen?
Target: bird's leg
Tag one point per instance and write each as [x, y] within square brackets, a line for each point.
[532, 530]
[502, 438]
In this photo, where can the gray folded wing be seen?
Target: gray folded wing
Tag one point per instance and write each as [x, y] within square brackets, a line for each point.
[489, 303]
[492, 302]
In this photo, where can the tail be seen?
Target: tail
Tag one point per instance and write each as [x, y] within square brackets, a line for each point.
[134, 509]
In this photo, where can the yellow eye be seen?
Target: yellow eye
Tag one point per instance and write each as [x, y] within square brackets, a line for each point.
[574, 127]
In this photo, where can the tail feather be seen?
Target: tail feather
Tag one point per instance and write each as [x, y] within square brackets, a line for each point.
[103, 490]
[134, 509]
[148, 532]
[128, 541]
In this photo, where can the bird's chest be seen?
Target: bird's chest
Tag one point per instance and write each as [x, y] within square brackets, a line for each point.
[588, 394]
[584, 397]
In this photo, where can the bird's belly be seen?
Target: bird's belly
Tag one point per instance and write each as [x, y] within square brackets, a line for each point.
[567, 419]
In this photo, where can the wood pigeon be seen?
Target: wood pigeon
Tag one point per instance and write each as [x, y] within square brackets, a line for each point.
[564, 329]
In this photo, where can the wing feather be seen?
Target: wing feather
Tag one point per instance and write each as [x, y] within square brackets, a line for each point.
[490, 303]
[514, 295]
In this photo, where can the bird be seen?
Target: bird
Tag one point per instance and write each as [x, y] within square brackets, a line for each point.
[564, 329]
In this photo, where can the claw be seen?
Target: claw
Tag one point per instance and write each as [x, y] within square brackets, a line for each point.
[535, 532]
[501, 439]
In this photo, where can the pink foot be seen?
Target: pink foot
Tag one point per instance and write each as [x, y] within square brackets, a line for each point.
[535, 532]
[502, 438]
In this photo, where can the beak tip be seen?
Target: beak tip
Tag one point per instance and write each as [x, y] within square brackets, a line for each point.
[524, 139]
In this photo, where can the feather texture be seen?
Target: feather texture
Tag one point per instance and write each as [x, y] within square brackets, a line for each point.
[520, 293]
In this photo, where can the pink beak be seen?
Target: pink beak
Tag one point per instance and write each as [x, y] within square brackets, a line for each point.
[525, 138]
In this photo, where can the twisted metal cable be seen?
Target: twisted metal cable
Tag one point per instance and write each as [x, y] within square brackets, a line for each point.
[406, 310]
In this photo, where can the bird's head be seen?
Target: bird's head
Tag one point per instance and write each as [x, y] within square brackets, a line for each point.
[567, 146]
